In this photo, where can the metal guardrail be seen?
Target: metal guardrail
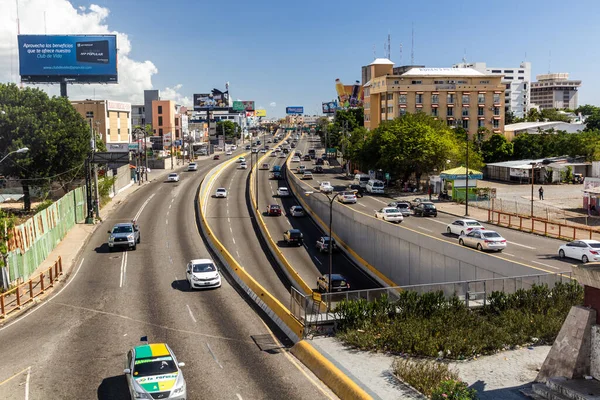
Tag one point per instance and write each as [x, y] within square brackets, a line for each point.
[473, 292]
[24, 293]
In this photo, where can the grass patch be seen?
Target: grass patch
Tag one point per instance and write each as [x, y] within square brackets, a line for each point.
[423, 375]
[429, 325]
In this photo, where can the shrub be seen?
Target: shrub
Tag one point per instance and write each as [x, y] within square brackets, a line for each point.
[423, 375]
[453, 390]
[43, 205]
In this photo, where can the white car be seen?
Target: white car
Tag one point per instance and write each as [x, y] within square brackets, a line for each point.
[273, 154]
[297, 211]
[282, 155]
[326, 187]
[295, 159]
[347, 197]
[463, 226]
[228, 153]
[241, 159]
[483, 240]
[283, 192]
[234, 147]
[584, 250]
[221, 192]
[254, 150]
[173, 177]
[243, 165]
[389, 214]
[193, 167]
[307, 175]
[203, 273]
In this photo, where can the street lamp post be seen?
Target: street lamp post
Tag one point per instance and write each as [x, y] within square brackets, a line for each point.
[21, 150]
[532, 182]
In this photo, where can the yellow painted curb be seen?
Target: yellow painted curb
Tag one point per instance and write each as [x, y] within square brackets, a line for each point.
[326, 371]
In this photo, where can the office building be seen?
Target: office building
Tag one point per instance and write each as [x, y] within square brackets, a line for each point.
[517, 82]
[138, 115]
[460, 96]
[166, 119]
[149, 97]
[555, 91]
[110, 119]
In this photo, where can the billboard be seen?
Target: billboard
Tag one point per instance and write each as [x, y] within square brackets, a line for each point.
[68, 58]
[349, 95]
[294, 110]
[243, 105]
[215, 100]
[260, 113]
[330, 107]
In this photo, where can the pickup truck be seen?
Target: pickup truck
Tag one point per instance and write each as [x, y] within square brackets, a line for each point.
[125, 234]
[326, 187]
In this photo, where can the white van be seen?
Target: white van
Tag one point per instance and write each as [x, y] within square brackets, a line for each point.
[375, 186]
[361, 179]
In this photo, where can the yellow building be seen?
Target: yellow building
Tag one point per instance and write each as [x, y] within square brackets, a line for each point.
[110, 119]
[460, 96]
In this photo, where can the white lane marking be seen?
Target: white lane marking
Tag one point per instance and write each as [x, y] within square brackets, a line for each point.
[319, 261]
[123, 269]
[425, 229]
[381, 201]
[305, 246]
[191, 314]
[362, 205]
[27, 383]
[288, 221]
[166, 222]
[522, 245]
[232, 238]
[230, 230]
[213, 355]
[228, 220]
[171, 205]
[545, 265]
[50, 299]
[172, 200]
[508, 254]
[238, 396]
[137, 215]
[237, 253]
[438, 222]
[168, 213]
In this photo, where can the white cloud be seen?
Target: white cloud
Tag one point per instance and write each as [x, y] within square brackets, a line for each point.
[173, 94]
[61, 17]
[273, 104]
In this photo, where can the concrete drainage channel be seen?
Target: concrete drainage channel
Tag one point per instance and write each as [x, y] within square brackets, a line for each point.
[323, 368]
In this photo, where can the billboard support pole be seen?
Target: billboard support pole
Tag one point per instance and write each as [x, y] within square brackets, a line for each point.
[145, 155]
[63, 89]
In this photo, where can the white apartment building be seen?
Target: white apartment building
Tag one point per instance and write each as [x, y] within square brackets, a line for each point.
[555, 91]
[138, 115]
[517, 97]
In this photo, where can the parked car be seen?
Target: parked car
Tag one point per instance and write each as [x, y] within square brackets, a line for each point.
[339, 283]
[202, 274]
[173, 177]
[326, 187]
[390, 214]
[192, 167]
[274, 209]
[283, 192]
[425, 209]
[404, 207]
[125, 234]
[323, 244]
[483, 240]
[293, 236]
[307, 175]
[584, 250]
[248, 147]
[462, 226]
[347, 197]
[221, 193]
[297, 211]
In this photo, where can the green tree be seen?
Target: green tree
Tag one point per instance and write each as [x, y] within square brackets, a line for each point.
[592, 122]
[509, 118]
[587, 109]
[552, 114]
[496, 149]
[7, 223]
[232, 130]
[57, 136]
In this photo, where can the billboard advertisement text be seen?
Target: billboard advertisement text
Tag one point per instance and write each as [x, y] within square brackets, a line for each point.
[243, 105]
[294, 110]
[215, 100]
[260, 113]
[330, 107]
[68, 58]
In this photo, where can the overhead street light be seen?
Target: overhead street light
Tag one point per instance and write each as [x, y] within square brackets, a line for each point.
[21, 150]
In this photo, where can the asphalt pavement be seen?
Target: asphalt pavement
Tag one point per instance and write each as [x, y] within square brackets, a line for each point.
[73, 345]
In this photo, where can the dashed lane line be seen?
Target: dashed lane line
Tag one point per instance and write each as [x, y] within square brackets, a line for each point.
[319, 261]
[213, 356]
[191, 313]
[521, 245]
[545, 265]
[425, 229]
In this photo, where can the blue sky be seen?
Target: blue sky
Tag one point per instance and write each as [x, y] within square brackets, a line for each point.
[290, 53]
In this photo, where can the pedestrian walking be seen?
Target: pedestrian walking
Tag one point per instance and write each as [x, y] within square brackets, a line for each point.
[541, 191]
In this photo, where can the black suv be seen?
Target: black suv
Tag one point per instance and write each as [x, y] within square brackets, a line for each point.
[293, 236]
[357, 189]
[339, 283]
[425, 209]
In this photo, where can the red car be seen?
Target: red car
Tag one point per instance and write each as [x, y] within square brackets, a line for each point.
[274, 209]
[216, 157]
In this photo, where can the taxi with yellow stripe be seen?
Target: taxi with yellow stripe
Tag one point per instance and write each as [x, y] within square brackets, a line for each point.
[152, 372]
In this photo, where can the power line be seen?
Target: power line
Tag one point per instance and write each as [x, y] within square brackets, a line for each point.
[48, 177]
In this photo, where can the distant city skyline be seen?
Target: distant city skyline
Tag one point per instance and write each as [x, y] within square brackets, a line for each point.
[282, 54]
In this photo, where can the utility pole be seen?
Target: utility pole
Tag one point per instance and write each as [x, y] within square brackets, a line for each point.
[171, 138]
[467, 180]
[145, 155]
[96, 192]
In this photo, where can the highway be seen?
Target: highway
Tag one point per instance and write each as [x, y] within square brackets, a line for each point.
[73, 345]
[538, 252]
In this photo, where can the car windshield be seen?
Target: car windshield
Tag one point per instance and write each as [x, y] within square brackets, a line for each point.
[338, 282]
[154, 366]
[428, 206]
[402, 205]
[295, 234]
[378, 184]
[172, 175]
[594, 245]
[275, 207]
[221, 190]
[203, 268]
[491, 235]
[473, 223]
[122, 229]
[391, 210]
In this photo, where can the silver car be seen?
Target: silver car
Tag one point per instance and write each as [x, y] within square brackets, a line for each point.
[125, 234]
[483, 240]
[403, 207]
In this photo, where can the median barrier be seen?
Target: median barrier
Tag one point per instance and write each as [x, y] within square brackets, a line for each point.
[278, 313]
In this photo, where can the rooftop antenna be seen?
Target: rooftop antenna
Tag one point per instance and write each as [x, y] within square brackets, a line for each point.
[412, 48]
[464, 59]
[400, 53]
[389, 46]
[549, 60]
[374, 52]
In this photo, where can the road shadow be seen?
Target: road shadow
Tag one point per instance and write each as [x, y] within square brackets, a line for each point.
[114, 388]
[450, 235]
[182, 285]
[102, 249]
[507, 393]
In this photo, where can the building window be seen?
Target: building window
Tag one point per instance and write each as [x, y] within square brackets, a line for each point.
[480, 111]
[508, 71]
[434, 112]
[462, 82]
[435, 98]
[160, 109]
[507, 86]
[480, 123]
[481, 98]
[496, 111]
[402, 99]
[521, 78]
[108, 133]
[419, 98]
[119, 133]
[496, 124]
[465, 111]
[390, 96]
[160, 131]
[449, 122]
[521, 71]
[508, 78]
[496, 71]
[396, 82]
[160, 121]
[402, 112]
[496, 98]
[390, 110]
[466, 99]
[465, 123]
[450, 99]
[438, 82]
[176, 121]
[417, 82]
[450, 111]
[484, 82]
[89, 114]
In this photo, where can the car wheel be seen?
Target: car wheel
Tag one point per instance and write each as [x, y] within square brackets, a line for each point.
[561, 253]
[462, 233]
[134, 247]
[585, 259]
[461, 242]
[479, 247]
[449, 231]
[139, 239]
[110, 249]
